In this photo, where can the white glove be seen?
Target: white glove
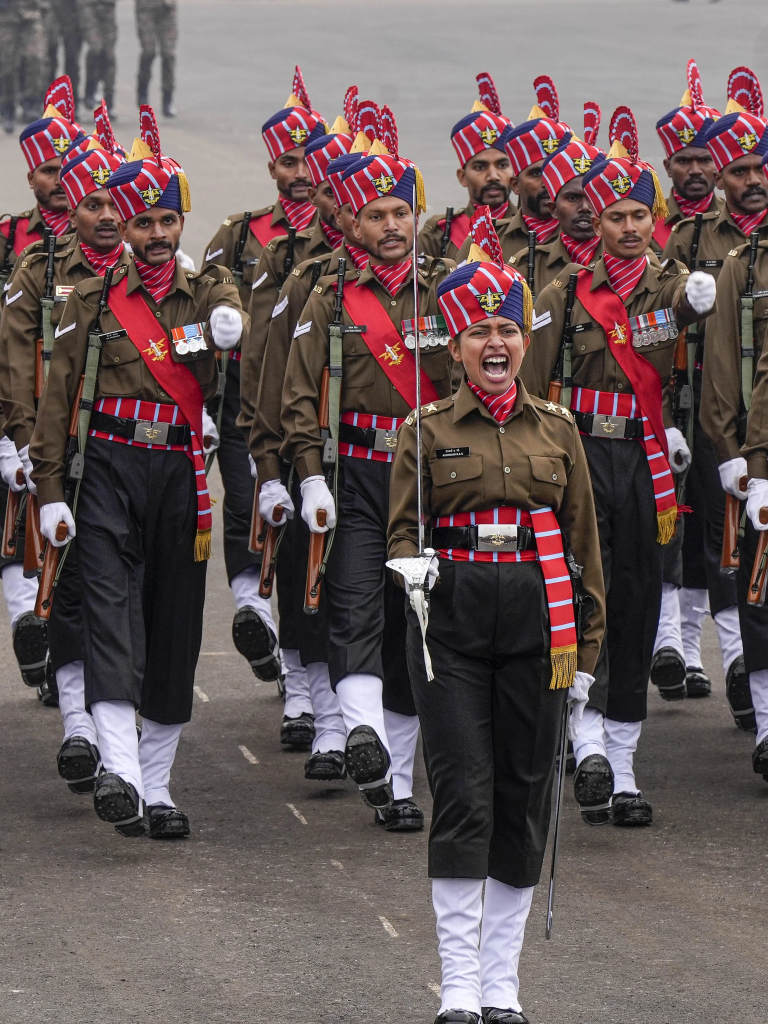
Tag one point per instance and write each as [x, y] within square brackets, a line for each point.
[226, 327]
[577, 697]
[757, 498]
[252, 467]
[50, 517]
[679, 452]
[10, 463]
[211, 439]
[26, 464]
[185, 262]
[701, 291]
[432, 574]
[314, 496]
[273, 493]
[730, 473]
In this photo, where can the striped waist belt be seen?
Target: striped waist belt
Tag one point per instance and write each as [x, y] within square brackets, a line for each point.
[485, 537]
[602, 425]
[148, 424]
[368, 436]
[146, 431]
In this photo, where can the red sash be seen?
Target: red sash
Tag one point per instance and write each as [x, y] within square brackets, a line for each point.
[21, 239]
[178, 381]
[661, 233]
[265, 230]
[385, 343]
[604, 306]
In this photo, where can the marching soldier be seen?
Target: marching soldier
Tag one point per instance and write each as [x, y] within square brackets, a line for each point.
[527, 146]
[95, 247]
[238, 244]
[22, 44]
[609, 334]
[366, 639]
[145, 347]
[64, 29]
[563, 176]
[704, 244]
[99, 21]
[157, 26]
[508, 498]
[484, 170]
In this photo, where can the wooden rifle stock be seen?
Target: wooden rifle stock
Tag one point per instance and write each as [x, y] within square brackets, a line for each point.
[50, 566]
[316, 552]
[34, 544]
[729, 556]
[555, 391]
[10, 531]
[256, 541]
[267, 577]
[756, 592]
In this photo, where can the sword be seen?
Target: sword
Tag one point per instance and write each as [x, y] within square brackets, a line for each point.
[415, 570]
[558, 816]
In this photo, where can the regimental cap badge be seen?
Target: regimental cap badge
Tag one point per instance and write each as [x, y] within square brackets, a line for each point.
[298, 135]
[748, 141]
[384, 184]
[489, 136]
[61, 144]
[101, 175]
[490, 301]
[582, 164]
[150, 195]
[622, 184]
[686, 135]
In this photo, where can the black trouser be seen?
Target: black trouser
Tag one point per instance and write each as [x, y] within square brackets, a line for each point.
[366, 618]
[65, 625]
[18, 556]
[142, 590]
[489, 720]
[632, 570]
[672, 556]
[753, 620]
[236, 477]
[306, 634]
[703, 541]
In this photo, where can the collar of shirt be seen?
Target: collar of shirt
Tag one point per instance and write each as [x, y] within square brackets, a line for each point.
[333, 236]
[392, 277]
[58, 222]
[499, 406]
[544, 227]
[624, 275]
[465, 402]
[359, 257]
[690, 207]
[299, 214]
[157, 280]
[749, 222]
[100, 261]
[580, 252]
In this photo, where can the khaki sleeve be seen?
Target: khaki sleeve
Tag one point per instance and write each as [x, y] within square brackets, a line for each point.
[755, 450]
[303, 445]
[403, 529]
[19, 331]
[685, 314]
[263, 301]
[541, 358]
[431, 237]
[578, 522]
[678, 246]
[721, 376]
[224, 239]
[48, 447]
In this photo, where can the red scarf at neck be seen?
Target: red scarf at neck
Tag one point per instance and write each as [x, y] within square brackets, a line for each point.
[299, 214]
[360, 257]
[497, 212]
[624, 275]
[100, 261]
[748, 222]
[545, 227]
[157, 280]
[333, 236]
[58, 222]
[580, 252]
[392, 277]
[499, 406]
[690, 207]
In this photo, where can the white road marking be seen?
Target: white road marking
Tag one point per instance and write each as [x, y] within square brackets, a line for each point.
[434, 987]
[338, 864]
[247, 754]
[203, 696]
[297, 814]
[216, 654]
[388, 928]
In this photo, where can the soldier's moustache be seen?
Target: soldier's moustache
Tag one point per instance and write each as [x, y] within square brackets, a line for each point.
[495, 186]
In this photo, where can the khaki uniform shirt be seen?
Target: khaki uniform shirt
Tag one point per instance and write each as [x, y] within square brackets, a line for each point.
[721, 405]
[549, 261]
[365, 385]
[755, 449]
[593, 365]
[263, 302]
[513, 235]
[535, 459]
[223, 246]
[676, 215]
[122, 370]
[719, 234]
[20, 329]
[431, 235]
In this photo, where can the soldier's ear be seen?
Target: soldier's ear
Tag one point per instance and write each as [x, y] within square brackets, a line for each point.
[597, 226]
[461, 176]
[454, 347]
[526, 342]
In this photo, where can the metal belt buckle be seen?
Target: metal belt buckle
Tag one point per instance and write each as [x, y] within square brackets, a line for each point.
[608, 426]
[151, 432]
[386, 440]
[495, 537]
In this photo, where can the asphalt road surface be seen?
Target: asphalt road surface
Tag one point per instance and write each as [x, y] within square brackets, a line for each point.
[287, 904]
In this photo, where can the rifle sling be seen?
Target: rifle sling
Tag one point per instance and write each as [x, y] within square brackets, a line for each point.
[46, 309]
[747, 349]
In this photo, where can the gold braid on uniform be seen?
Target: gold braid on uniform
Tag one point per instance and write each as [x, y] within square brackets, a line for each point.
[563, 667]
[660, 208]
[665, 525]
[527, 312]
[186, 198]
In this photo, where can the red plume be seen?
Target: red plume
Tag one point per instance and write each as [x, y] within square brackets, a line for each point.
[299, 89]
[694, 85]
[623, 129]
[546, 96]
[744, 88]
[369, 119]
[488, 95]
[149, 130]
[592, 115]
[484, 234]
[104, 132]
[61, 95]
[350, 108]
[389, 131]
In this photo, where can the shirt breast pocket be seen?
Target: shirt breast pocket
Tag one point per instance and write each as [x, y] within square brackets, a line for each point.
[457, 483]
[121, 368]
[359, 370]
[548, 480]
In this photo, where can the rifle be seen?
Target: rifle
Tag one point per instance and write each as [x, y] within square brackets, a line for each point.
[269, 556]
[693, 262]
[317, 540]
[289, 253]
[747, 325]
[729, 556]
[237, 266]
[46, 306]
[756, 592]
[44, 600]
[561, 383]
[6, 266]
[34, 542]
[531, 261]
[446, 231]
[258, 525]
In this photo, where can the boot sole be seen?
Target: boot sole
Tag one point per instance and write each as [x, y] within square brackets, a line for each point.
[251, 637]
[30, 645]
[114, 805]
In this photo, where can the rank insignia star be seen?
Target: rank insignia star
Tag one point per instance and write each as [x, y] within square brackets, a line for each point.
[393, 354]
[490, 301]
[156, 349]
[384, 184]
[150, 195]
[429, 408]
[298, 135]
[101, 176]
[622, 184]
[748, 142]
[489, 136]
[551, 407]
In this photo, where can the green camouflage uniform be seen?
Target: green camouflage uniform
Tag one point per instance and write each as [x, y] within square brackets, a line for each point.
[22, 59]
[62, 25]
[99, 21]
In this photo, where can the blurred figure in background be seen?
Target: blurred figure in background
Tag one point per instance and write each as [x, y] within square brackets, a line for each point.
[63, 27]
[22, 56]
[157, 26]
[99, 24]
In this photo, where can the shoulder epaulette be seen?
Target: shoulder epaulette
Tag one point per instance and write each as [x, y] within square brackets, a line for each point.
[551, 407]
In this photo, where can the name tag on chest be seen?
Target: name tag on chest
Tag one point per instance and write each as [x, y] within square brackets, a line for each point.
[63, 291]
[189, 338]
[452, 453]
